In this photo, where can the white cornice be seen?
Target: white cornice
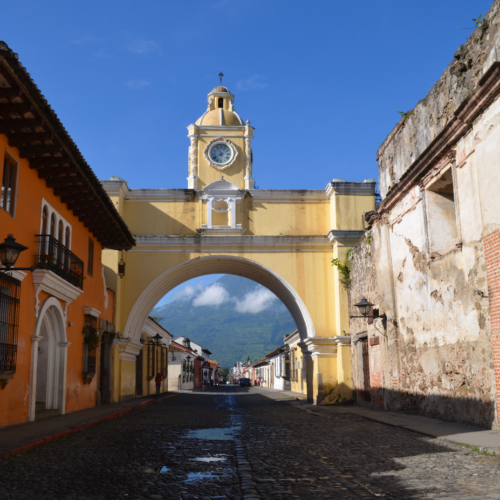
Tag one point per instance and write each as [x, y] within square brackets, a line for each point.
[345, 237]
[116, 188]
[193, 243]
[319, 347]
[48, 282]
[342, 340]
[339, 187]
[128, 349]
[91, 311]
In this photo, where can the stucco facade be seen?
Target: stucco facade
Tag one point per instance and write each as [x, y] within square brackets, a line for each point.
[282, 239]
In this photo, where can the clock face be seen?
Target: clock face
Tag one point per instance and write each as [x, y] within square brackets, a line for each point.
[220, 153]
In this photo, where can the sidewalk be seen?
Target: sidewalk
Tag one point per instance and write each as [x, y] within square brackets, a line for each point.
[18, 438]
[475, 437]
[276, 392]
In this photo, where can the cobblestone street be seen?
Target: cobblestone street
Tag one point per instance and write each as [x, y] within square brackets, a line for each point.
[227, 445]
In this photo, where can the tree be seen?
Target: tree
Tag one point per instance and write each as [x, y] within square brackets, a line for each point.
[224, 372]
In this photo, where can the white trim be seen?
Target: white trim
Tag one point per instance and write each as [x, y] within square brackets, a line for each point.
[91, 311]
[152, 328]
[225, 264]
[289, 196]
[57, 361]
[346, 237]
[339, 187]
[235, 250]
[51, 210]
[49, 282]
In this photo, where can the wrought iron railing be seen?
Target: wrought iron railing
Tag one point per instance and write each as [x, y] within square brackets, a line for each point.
[55, 257]
[10, 290]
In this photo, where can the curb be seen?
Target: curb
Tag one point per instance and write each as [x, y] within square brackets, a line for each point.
[73, 430]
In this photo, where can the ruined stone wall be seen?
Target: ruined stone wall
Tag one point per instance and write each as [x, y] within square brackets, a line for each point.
[415, 132]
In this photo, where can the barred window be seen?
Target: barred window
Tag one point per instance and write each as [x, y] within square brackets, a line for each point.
[10, 290]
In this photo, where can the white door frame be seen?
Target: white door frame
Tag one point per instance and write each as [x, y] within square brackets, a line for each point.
[52, 313]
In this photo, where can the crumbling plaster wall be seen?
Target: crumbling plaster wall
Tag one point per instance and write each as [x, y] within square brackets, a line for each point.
[434, 356]
[416, 131]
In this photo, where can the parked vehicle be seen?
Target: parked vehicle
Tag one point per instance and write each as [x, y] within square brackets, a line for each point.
[245, 382]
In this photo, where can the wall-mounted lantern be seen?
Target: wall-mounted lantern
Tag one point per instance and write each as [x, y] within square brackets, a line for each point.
[364, 308]
[121, 269]
[9, 252]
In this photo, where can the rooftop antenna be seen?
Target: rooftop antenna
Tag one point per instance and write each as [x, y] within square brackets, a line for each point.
[221, 74]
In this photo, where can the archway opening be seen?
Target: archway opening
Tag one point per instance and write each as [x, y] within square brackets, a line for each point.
[209, 265]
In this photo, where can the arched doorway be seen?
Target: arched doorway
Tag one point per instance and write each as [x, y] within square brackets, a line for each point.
[48, 361]
[219, 264]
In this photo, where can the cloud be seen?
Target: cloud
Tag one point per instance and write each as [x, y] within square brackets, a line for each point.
[255, 82]
[140, 46]
[137, 84]
[213, 295]
[256, 301]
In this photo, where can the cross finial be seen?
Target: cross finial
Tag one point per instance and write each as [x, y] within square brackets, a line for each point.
[221, 74]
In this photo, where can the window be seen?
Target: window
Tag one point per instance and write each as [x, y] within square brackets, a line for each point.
[45, 216]
[52, 225]
[90, 266]
[10, 290]
[90, 343]
[9, 179]
[441, 214]
[221, 102]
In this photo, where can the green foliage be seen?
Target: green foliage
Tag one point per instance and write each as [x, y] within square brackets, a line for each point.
[231, 336]
[368, 240]
[478, 20]
[344, 268]
[406, 114]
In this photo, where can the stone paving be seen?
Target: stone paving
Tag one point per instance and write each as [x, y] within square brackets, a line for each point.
[247, 447]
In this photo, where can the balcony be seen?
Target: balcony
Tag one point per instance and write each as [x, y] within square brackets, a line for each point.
[54, 256]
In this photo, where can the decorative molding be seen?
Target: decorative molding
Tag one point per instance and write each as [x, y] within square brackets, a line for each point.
[91, 311]
[214, 142]
[49, 282]
[319, 347]
[345, 237]
[18, 275]
[64, 344]
[128, 349]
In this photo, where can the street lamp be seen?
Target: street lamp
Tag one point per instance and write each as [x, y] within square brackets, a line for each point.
[9, 252]
[156, 340]
[364, 308]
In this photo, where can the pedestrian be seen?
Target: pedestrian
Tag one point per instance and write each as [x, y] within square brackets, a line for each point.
[158, 381]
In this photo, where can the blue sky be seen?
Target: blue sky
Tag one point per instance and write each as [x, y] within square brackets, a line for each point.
[321, 81]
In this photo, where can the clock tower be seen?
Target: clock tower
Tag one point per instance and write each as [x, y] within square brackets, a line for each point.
[221, 145]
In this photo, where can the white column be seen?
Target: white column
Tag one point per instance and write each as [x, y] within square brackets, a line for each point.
[209, 212]
[232, 207]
